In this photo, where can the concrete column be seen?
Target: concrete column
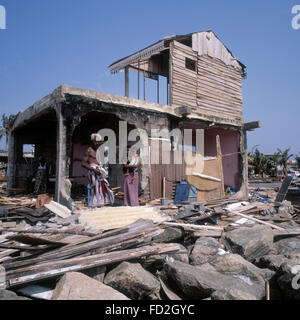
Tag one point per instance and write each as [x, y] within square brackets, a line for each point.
[126, 81]
[11, 169]
[63, 184]
[244, 153]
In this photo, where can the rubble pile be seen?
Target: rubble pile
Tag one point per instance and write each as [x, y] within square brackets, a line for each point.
[224, 249]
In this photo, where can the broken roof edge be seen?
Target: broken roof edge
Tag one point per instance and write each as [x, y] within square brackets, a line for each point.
[40, 106]
[157, 47]
[58, 96]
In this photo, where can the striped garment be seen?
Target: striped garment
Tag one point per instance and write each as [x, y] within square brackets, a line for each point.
[101, 193]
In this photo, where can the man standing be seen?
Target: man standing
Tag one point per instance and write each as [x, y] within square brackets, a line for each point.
[101, 193]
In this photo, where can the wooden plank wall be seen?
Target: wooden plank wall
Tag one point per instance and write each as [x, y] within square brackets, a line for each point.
[172, 172]
[184, 81]
[214, 89]
[219, 89]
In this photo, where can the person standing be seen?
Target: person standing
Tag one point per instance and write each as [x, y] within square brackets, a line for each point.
[40, 186]
[131, 181]
[101, 193]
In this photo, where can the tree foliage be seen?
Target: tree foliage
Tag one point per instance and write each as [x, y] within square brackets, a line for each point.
[5, 123]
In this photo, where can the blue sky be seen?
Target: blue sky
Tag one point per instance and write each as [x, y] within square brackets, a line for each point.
[48, 43]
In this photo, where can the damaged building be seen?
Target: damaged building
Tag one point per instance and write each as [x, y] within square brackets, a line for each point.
[204, 91]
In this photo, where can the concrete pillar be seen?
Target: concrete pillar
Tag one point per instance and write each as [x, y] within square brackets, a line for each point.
[63, 184]
[126, 81]
[11, 169]
[244, 155]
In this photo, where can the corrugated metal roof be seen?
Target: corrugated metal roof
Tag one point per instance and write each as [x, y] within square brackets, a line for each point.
[118, 217]
[143, 54]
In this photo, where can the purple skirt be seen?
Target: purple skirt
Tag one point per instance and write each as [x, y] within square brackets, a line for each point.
[131, 190]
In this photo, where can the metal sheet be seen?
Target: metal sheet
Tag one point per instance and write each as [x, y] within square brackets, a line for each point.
[143, 54]
[118, 217]
[207, 43]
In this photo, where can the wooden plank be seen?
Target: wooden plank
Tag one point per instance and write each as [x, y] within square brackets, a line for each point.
[35, 239]
[191, 226]
[206, 177]
[24, 247]
[208, 233]
[7, 253]
[286, 233]
[220, 165]
[49, 231]
[256, 220]
[284, 189]
[80, 249]
[252, 125]
[59, 209]
[50, 270]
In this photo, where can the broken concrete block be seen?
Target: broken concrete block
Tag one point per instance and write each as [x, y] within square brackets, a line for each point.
[6, 295]
[134, 281]
[232, 294]
[156, 262]
[77, 286]
[96, 273]
[288, 246]
[169, 235]
[182, 255]
[59, 209]
[204, 251]
[200, 282]
[272, 262]
[251, 243]
[233, 264]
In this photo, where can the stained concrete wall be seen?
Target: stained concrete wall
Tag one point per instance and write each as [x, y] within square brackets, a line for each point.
[72, 104]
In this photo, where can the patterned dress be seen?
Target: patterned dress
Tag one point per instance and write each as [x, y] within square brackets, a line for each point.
[101, 193]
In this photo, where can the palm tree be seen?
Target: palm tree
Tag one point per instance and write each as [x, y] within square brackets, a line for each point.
[6, 120]
[259, 162]
[284, 157]
[273, 163]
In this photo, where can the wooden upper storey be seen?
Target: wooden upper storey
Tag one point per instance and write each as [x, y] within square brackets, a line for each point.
[202, 73]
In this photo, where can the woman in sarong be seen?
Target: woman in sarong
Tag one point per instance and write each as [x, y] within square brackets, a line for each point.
[131, 181]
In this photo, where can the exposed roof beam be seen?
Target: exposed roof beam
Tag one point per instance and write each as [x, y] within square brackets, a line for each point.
[143, 54]
[250, 126]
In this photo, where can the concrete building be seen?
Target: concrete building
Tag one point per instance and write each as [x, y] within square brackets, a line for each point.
[204, 92]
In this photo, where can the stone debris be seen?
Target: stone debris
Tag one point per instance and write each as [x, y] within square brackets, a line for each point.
[251, 243]
[134, 281]
[77, 286]
[204, 251]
